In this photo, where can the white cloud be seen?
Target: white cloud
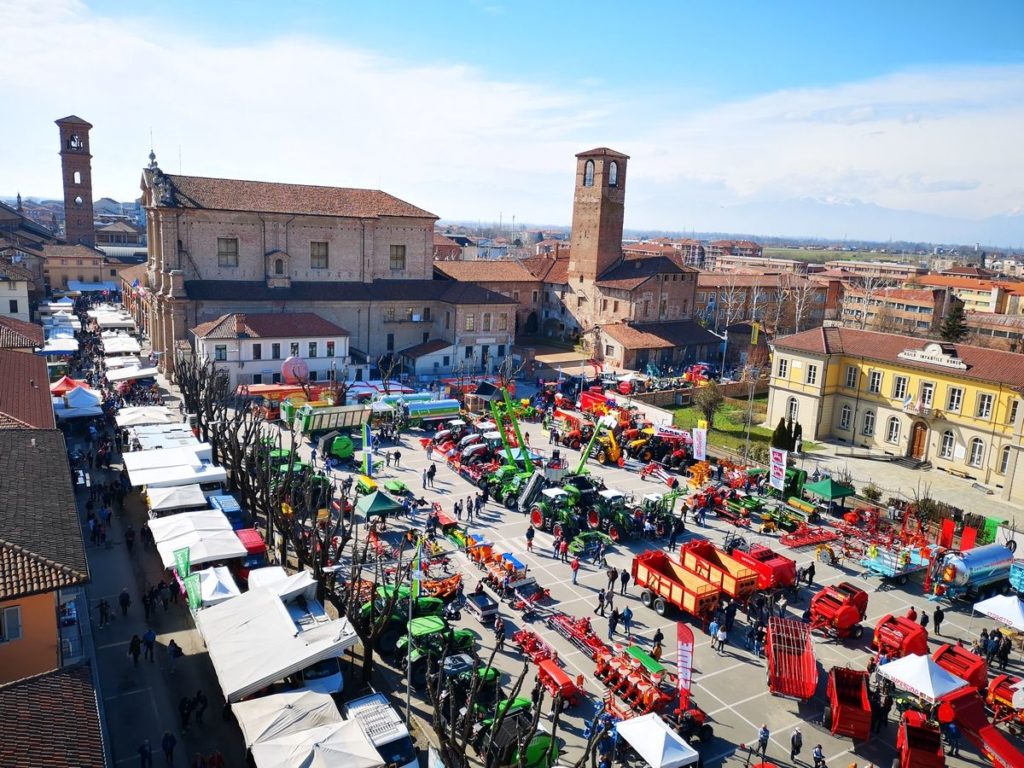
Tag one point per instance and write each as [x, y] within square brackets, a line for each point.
[467, 146]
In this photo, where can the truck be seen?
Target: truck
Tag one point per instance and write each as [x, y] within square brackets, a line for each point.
[431, 411]
[384, 728]
[724, 571]
[311, 422]
[979, 572]
[664, 582]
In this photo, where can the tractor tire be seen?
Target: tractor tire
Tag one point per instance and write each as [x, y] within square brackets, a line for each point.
[387, 642]
[857, 632]
[614, 533]
[482, 482]
[647, 598]
[510, 500]
[705, 733]
[593, 519]
[537, 518]
[660, 606]
[903, 579]
[418, 676]
[602, 456]
[646, 455]
[574, 444]
[557, 530]
[826, 717]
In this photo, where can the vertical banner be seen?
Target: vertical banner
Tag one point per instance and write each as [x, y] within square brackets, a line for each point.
[193, 591]
[182, 561]
[755, 330]
[700, 444]
[777, 471]
[367, 451]
[684, 662]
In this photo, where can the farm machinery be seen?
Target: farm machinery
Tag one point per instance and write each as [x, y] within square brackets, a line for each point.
[898, 636]
[792, 668]
[579, 632]
[637, 678]
[1005, 697]
[979, 572]
[432, 638]
[708, 562]
[848, 711]
[610, 514]
[839, 610]
[961, 662]
[774, 571]
[664, 582]
[659, 509]
[555, 512]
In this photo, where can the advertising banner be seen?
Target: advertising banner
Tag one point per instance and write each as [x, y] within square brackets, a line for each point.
[182, 561]
[684, 664]
[700, 444]
[193, 591]
[777, 471]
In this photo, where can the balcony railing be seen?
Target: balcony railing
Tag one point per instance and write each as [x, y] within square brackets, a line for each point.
[917, 409]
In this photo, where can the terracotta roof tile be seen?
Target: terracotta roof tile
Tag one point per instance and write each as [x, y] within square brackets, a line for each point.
[272, 197]
[504, 270]
[77, 251]
[680, 333]
[24, 392]
[267, 325]
[989, 365]
[955, 281]
[52, 720]
[131, 274]
[16, 333]
[633, 271]
[15, 272]
[41, 544]
[549, 269]
[426, 348]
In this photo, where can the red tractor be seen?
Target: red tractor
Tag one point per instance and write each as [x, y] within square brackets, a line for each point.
[839, 610]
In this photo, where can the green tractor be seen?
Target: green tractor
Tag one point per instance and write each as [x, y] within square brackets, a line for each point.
[611, 515]
[659, 508]
[554, 512]
[494, 480]
[508, 492]
[499, 740]
[387, 640]
[432, 639]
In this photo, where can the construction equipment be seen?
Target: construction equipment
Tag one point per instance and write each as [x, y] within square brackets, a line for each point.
[716, 567]
[898, 636]
[792, 668]
[848, 711]
[664, 582]
[608, 450]
[838, 610]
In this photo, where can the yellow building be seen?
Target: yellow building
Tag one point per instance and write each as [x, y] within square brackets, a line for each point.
[954, 406]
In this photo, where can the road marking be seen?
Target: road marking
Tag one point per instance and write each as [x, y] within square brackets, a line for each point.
[127, 693]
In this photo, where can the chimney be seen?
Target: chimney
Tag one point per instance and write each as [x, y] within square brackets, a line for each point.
[239, 324]
[558, 247]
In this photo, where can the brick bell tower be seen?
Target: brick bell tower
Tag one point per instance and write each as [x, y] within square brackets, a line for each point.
[76, 165]
[597, 212]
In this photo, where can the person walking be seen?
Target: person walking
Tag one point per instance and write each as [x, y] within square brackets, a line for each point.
[713, 632]
[937, 616]
[656, 647]
[613, 575]
[397, 456]
[574, 566]
[763, 736]
[124, 600]
[104, 613]
[145, 755]
[173, 653]
[923, 618]
[563, 550]
[424, 477]
[673, 538]
[819, 757]
[200, 703]
[499, 634]
[809, 574]
[796, 743]
[431, 473]
[613, 622]
[600, 603]
[627, 621]
[167, 744]
[722, 636]
[129, 538]
[149, 644]
[530, 533]
[185, 706]
[135, 649]
[953, 738]
[609, 599]
[624, 579]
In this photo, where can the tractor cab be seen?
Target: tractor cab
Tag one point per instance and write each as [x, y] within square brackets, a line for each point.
[457, 427]
[467, 441]
[493, 440]
[484, 426]
[652, 503]
[475, 454]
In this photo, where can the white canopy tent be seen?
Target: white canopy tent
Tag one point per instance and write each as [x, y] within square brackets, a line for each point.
[327, 746]
[253, 642]
[124, 361]
[121, 345]
[1006, 609]
[656, 742]
[142, 415]
[162, 500]
[206, 533]
[922, 677]
[131, 372]
[216, 585]
[163, 477]
[154, 436]
[270, 717]
[60, 345]
[192, 456]
[276, 579]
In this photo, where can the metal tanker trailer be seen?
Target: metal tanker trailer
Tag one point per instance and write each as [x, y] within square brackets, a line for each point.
[983, 570]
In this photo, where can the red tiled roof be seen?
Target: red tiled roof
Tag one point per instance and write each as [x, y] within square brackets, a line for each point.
[18, 334]
[504, 270]
[267, 325]
[633, 271]
[954, 281]
[273, 197]
[989, 365]
[426, 348]
[77, 251]
[548, 269]
[52, 720]
[665, 335]
[24, 392]
[15, 272]
[138, 272]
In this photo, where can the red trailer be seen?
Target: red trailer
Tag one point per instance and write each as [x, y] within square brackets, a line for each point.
[773, 570]
[665, 582]
[898, 636]
[838, 610]
[918, 743]
[848, 712]
[961, 662]
[792, 668]
[724, 571]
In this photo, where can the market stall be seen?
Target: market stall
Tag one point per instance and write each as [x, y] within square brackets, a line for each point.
[178, 497]
[206, 533]
[128, 373]
[655, 742]
[144, 415]
[216, 585]
[1006, 609]
[342, 744]
[270, 717]
[922, 677]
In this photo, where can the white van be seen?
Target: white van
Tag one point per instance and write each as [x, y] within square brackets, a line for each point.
[384, 727]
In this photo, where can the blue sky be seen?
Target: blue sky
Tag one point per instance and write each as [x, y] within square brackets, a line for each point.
[869, 119]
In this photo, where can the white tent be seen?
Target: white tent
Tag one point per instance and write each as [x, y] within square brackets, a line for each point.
[60, 346]
[922, 677]
[253, 642]
[656, 743]
[216, 585]
[1006, 609]
[276, 579]
[163, 477]
[121, 345]
[141, 415]
[124, 361]
[190, 456]
[176, 497]
[115, 320]
[206, 533]
[128, 373]
[155, 436]
[327, 746]
[270, 717]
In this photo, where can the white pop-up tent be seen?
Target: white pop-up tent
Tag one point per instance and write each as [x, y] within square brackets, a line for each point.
[162, 477]
[154, 436]
[269, 717]
[253, 642]
[342, 744]
[142, 415]
[131, 372]
[276, 579]
[124, 361]
[191, 456]
[922, 677]
[1006, 609]
[163, 500]
[206, 533]
[656, 742]
[217, 585]
[120, 345]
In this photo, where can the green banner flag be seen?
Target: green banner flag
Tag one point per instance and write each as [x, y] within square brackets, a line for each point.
[182, 561]
[194, 592]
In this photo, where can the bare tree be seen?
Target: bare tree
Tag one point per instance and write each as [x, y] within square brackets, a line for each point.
[386, 366]
[886, 320]
[508, 370]
[800, 297]
[732, 299]
[870, 285]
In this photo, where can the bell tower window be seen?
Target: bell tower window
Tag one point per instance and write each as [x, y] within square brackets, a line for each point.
[588, 174]
[613, 174]
[78, 177]
[75, 142]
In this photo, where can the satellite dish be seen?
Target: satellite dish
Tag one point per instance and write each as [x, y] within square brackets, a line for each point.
[294, 370]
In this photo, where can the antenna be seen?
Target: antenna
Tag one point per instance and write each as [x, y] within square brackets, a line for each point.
[179, 159]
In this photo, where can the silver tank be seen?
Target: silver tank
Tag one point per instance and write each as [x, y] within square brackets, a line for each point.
[986, 563]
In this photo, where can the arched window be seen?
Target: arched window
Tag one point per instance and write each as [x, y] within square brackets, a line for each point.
[75, 142]
[279, 266]
[1004, 460]
[892, 430]
[844, 417]
[946, 447]
[793, 410]
[78, 177]
[869, 423]
[588, 174]
[977, 453]
[613, 174]
[79, 200]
